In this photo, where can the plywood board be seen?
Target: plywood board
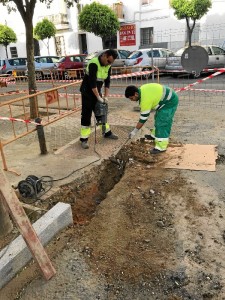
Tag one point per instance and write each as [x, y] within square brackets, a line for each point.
[191, 157]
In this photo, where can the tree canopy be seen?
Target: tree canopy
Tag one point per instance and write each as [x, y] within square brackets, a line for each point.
[26, 10]
[190, 10]
[98, 19]
[7, 36]
[45, 29]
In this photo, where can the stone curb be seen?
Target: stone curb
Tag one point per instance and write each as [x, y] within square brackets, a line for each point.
[16, 255]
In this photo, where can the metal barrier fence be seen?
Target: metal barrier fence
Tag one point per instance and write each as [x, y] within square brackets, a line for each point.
[51, 105]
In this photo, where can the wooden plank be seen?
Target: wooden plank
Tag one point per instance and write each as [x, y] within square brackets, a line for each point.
[23, 223]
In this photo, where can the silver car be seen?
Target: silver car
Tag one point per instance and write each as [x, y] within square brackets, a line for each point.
[119, 61]
[216, 60]
[144, 59]
[44, 65]
[17, 64]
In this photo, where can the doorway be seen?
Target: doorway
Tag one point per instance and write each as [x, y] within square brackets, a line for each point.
[83, 43]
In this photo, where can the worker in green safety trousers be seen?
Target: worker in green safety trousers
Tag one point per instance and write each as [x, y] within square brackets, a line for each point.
[162, 99]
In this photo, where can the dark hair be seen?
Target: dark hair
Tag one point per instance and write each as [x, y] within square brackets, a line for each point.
[111, 52]
[130, 91]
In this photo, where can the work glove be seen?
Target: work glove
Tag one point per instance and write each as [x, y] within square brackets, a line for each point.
[106, 100]
[133, 133]
[100, 99]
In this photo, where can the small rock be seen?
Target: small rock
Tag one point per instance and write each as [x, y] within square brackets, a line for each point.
[160, 224]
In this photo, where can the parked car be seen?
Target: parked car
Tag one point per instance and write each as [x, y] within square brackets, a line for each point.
[44, 65]
[18, 64]
[143, 59]
[118, 62]
[216, 60]
[67, 65]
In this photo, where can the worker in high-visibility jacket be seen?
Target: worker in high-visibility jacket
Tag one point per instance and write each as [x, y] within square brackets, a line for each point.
[97, 74]
[162, 99]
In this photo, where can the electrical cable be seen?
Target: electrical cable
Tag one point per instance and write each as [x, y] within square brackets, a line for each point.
[53, 180]
[74, 171]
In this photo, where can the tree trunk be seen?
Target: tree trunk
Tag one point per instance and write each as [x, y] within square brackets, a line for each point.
[48, 47]
[31, 69]
[189, 37]
[6, 225]
[6, 51]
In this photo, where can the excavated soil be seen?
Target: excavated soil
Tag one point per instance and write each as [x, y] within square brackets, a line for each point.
[140, 232]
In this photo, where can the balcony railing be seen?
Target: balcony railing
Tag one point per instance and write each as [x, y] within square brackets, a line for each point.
[60, 21]
[118, 9]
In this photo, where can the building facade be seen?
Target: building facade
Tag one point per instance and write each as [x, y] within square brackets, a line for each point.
[143, 23]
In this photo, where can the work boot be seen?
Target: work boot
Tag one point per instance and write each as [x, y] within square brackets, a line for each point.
[156, 151]
[149, 137]
[84, 145]
[111, 136]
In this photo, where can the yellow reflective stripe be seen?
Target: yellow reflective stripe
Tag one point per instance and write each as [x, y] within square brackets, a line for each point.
[162, 139]
[161, 145]
[153, 132]
[85, 131]
[107, 128]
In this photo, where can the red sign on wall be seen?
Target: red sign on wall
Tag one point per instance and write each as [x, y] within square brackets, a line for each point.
[127, 35]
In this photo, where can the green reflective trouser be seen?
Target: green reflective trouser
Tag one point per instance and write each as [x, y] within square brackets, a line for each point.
[164, 119]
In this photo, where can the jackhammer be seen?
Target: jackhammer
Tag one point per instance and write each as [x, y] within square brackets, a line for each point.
[101, 112]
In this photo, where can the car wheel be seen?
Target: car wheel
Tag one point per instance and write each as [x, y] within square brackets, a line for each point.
[66, 75]
[174, 75]
[146, 76]
[198, 75]
[38, 75]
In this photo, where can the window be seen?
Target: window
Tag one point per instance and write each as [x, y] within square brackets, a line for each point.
[62, 59]
[209, 51]
[123, 53]
[82, 58]
[146, 2]
[43, 60]
[55, 59]
[13, 52]
[218, 51]
[155, 53]
[14, 62]
[135, 54]
[75, 58]
[166, 53]
[146, 36]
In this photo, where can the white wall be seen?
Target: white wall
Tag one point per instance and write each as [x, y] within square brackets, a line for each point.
[15, 22]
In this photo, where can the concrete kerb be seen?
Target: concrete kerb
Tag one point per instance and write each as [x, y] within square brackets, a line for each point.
[16, 255]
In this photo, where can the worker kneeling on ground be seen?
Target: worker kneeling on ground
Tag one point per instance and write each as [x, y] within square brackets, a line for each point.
[162, 99]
